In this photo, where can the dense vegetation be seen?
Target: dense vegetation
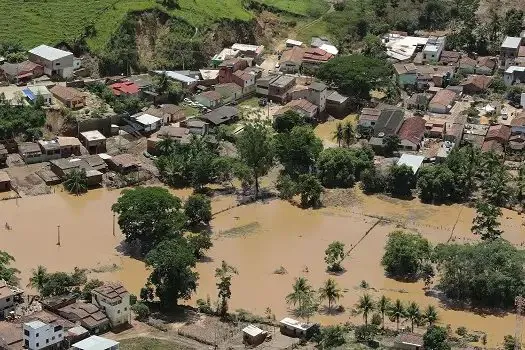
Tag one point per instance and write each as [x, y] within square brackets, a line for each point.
[20, 120]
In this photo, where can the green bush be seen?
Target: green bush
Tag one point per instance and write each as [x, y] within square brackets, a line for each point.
[141, 310]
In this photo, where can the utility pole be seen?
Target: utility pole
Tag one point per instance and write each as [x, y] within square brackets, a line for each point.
[113, 224]
[520, 306]
[58, 235]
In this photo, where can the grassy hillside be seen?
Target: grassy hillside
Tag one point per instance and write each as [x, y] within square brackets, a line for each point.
[298, 7]
[33, 22]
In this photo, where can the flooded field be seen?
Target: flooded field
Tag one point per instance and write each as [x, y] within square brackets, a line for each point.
[257, 239]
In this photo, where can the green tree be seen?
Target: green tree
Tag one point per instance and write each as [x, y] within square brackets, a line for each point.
[334, 256]
[76, 181]
[149, 215]
[435, 338]
[396, 312]
[400, 180]
[286, 187]
[141, 310]
[413, 313]
[256, 149]
[356, 75]
[60, 283]
[509, 342]
[364, 306]
[391, 144]
[200, 242]
[298, 151]
[224, 275]
[486, 223]
[172, 262]
[383, 305]
[373, 46]
[405, 254]
[348, 134]
[430, 315]
[331, 292]
[88, 288]
[332, 337]
[513, 22]
[338, 134]
[165, 147]
[284, 123]
[38, 278]
[7, 273]
[301, 291]
[436, 183]
[198, 209]
[310, 190]
[372, 181]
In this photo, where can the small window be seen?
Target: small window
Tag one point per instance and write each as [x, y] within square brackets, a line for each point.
[60, 335]
[118, 311]
[26, 332]
[125, 309]
[57, 64]
[37, 335]
[8, 300]
[37, 345]
[47, 341]
[53, 338]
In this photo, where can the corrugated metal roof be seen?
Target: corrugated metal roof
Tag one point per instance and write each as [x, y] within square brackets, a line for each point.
[177, 76]
[49, 53]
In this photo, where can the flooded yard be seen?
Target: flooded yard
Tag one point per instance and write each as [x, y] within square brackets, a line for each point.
[258, 239]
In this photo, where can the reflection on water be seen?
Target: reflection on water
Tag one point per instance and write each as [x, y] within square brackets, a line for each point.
[257, 239]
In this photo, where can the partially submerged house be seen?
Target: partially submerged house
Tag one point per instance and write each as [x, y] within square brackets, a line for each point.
[61, 167]
[113, 298]
[123, 163]
[294, 328]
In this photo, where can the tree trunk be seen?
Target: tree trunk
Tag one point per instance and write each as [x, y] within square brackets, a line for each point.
[383, 320]
[397, 324]
[256, 186]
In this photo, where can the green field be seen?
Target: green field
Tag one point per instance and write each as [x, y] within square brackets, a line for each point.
[149, 344]
[299, 7]
[33, 22]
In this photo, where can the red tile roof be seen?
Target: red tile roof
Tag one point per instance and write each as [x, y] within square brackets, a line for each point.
[211, 95]
[315, 54]
[487, 61]
[412, 129]
[498, 132]
[295, 55]
[444, 97]
[125, 87]
[66, 93]
[111, 291]
[301, 104]
[518, 121]
[479, 81]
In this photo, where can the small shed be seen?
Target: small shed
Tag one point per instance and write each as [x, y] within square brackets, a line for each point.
[5, 181]
[409, 341]
[413, 161]
[253, 335]
[294, 328]
[292, 43]
[148, 122]
[123, 163]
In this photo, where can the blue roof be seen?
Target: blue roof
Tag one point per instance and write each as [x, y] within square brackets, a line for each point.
[29, 94]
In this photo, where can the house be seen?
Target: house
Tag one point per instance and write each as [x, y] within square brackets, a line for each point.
[50, 149]
[30, 152]
[94, 141]
[221, 115]
[11, 336]
[169, 113]
[315, 93]
[96, 343]
[409, 341]
[369, 117]
[389, 122]
[279, 87]
[402, 47]
[303, 107]
[450, 58]
[5, 181]
[442, 102]
[10, 296]
[253, 336]
[228, 67]
[68, 146]
[113, 298]
[411, 133]
[467, 65]
[55, 61]
[96, 161]
[210, 99]
[406, 74]
[485, 65]
[433, 48]
[293, 43]
[291, 60]
[514, 75]
[61, 167]
[88, 315]
[336, 104]
[3, 155]
[432, 76]
[225, 54]
[147, 122]
[124, 163]
[39, 335]
[509, 51]
[517, 142]
[125, 88]
[70, 97]
[21, 72]
[412, 161]
[319, 41]
[454, 133]
[247, 50]
[499, 132]
[294, 328]
[187, 82]
[517, 125]
[196, 126]
[314, 57]
[417, 101]
[475, 84]
[32, 92]
[143, 81]
[229, 92]
[245, 79]
[175, 133]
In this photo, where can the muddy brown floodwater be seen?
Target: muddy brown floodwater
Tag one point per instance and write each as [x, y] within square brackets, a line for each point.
[257, 239]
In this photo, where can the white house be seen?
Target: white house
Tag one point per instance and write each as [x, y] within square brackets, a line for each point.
[148, 122]
[32, 92]
[39, 335]
[433, 48]
[96, 343]
[7, 299]
[54, 61]
[514, 74]
[114, 299]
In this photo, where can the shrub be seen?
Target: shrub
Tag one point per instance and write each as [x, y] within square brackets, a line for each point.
[461, 331]
[141, 310]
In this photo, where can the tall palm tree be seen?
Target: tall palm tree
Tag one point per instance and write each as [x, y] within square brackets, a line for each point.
[76, 181]
[301, 292]
[396, 312]
[338, 134]
[364, 306]
[431, 315]
[165, 146]
[331, 292]
[348, 134]
[38, 278]
[383, 305]
[413, 314]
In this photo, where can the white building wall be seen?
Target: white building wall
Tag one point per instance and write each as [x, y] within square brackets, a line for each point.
[118, 314]
[42, 337]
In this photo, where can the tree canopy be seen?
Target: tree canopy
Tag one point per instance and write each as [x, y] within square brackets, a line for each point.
[285, 122]
[405, 254]
[8, 273]
[400, 180]
[341, 167]
[20, 120]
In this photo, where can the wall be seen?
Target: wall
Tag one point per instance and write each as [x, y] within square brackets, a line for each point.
[117, 314]
[7, 306]
[45, 336]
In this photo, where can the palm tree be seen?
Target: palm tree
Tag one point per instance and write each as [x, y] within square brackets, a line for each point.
[396, 312]
[382, 306]
[338, 134]
[165, 146]
[39, 278]
[364, 306]
[348, 134]
[301, 292]
[431, 315]
[76, 181]
[413, 314]
[330, 292]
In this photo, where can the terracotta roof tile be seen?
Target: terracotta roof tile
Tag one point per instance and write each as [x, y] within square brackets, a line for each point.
[413, 130]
